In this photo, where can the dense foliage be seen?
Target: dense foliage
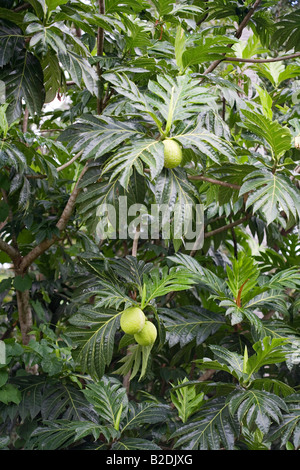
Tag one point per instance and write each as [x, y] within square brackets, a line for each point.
[89, 92]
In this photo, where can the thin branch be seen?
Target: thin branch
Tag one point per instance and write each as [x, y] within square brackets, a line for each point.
[246, 19]
[227, 227]
[25, 6]
[100, 45]
[25, 120]
[10, 219]
[235, 245]
[36, 177]
[213, 181]
[61, 225]
[42, 131]
[126, 378]
[261, 61]
[238, 34]
[135, 242]
[65, 165]
[9, 250]
[207, 375]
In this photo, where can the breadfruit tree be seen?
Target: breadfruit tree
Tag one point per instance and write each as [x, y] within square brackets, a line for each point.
[149, 224]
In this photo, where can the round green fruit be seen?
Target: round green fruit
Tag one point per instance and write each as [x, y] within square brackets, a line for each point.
[147, 336]
[172, 153]
[132, 320]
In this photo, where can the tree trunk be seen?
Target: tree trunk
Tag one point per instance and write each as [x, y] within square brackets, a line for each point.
[25, 315]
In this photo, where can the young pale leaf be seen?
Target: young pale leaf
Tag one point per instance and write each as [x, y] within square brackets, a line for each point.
[186, 399]
[136, 360]
[242, 276]
[267, 351]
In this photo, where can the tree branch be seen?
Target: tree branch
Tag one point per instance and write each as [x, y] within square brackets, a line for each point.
[100, 44]
[9, 250]
[135, 242]
[25, 6]
[227, 227]
[261, 61]
[65, 165]
[246, 19]
[61, 225]
[126, 378]
[25, 121]
[213, 181]
[237, 35]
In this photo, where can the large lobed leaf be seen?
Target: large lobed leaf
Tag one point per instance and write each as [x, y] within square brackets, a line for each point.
[257, 408]
[96, 136]
[212, 428]
[277, 137]
[23, 80]
[189, 323]
[145, 151]
[271, 192]
[93, 332]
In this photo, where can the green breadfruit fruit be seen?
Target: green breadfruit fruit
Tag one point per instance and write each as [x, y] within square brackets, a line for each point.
[147, 336]
[172, 153]
[132, 320]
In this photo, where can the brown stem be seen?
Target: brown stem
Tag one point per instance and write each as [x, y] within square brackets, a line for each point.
[207, 375]
[65, 165]
[25, 315]
[25, 6]
[222, 229]
[234, 242]
[238, 34]
[100, 45]
[246, 19]
[226, 227]
[61, 224]
[25, 120]
[135, 242]
[213, 181]
[9, 330]
[238, 299]
[126, 378]
[261, 61]
[10, 251]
